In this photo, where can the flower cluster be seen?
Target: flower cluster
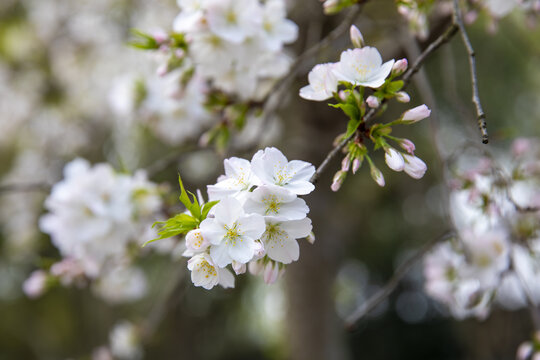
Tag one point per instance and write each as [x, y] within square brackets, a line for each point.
[95, 214]
[252, 220]
[359, 69]
[496, 256]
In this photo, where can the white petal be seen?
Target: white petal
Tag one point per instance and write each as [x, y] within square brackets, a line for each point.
[297, 229]
[220, 255]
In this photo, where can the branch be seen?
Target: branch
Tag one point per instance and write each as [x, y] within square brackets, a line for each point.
[444, 38]
[384, 292]
[480, 115]
[30, 187]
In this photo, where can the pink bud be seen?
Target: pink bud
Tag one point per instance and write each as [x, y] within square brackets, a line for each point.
[271, 272]
[34, 286]
[471, 17]
[400, 67]
[373, 102]
[238, 268]
[414, 166]
[394, 159]
[342, 95]
[403, 97]
[407, 145]
[338, 180]
[356, 165]
[416, 114]
[160, 36]
[346, 163]
[356, 37]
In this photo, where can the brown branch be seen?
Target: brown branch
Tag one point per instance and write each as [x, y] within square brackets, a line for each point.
[442, 39]
[30, 187]
[480, 115]
[386, 290]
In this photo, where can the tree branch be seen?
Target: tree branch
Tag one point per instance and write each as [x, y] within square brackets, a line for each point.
[442, 39]
[386, 290]
[480, 115]
[30, 187]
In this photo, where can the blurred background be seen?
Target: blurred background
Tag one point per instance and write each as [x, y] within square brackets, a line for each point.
[62, 66]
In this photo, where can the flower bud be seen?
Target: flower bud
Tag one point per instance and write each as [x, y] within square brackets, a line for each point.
[339, 177]
[414, 166]
[160, 36]
[346, 163]
[400, 67]
[342, 95]
[255, 267]
[195, 241]
[356, 165]
[35, 285]
[356, 37]
[377, 175]
[403, 97]
[331, 6]
[407, 145]
[271, 272]
[524, 351]
[373, 102]
[259, 250]
[238, 267]
[416, 114]
[394, 159]
[311, 238]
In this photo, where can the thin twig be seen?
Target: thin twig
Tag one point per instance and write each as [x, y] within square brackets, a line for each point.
[386, 290]
[30, 187]
[480, 115]
[445, 37]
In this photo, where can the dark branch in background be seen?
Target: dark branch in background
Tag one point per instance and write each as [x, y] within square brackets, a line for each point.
[386, 290]
[30, 187]
[480, 115]
[445, 37]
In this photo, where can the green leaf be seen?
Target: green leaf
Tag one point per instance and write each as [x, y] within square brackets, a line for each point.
[394, 86]
[206, 208]
[349, 109]
[177, 225]
[352, 126]
[184, 198]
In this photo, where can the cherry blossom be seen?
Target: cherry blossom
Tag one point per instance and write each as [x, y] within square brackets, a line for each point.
[363, 67]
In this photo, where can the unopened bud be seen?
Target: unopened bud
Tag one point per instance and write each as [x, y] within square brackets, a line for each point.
[407, 145]
[331, 6]
[271, 272]
[394, 159]
[416, 114]
[311, 238]
[356, 163]
[338, 180]
[35, 285]
[524, 351]
[414, 166]
[376, 174]
[403, 97]
[346, 163]
[259, 250]
[373, 102]
[400, 67]
[238, 268]
[342, 95]
[356, 37]
[255, 267]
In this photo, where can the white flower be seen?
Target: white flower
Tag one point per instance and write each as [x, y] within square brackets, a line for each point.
[322, 83]
[394, 159]
[36, 283]
[238, 178]
[363, 67]
[191, 17]
[125, 342]
[234, 20]
[276, 29]
[232, 233]
[271, 200]
[272, 167]
[206, 274]
[195, 241]
[414, 166]
[121, 285]
[279, 239]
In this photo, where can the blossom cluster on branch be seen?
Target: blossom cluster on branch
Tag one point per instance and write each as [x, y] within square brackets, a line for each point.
[252, 220]
[496, 256]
